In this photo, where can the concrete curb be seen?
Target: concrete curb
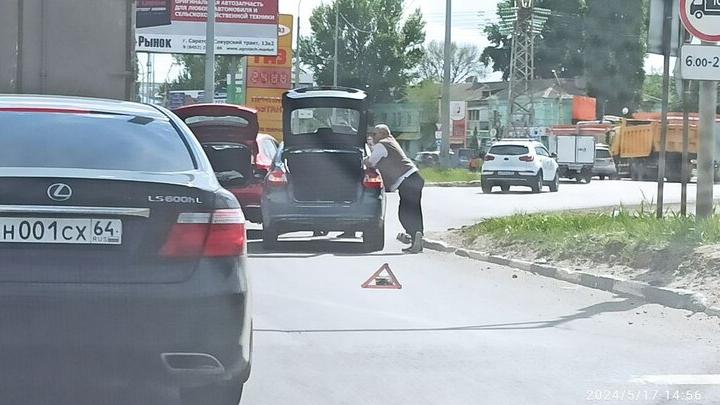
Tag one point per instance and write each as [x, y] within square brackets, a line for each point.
[670, 297]
[473, 183]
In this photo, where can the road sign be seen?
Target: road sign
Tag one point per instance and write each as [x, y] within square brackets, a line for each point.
[655, 29]
[701, 18]
[378, 280]
[438, 134]
[457, 110]
[700, 62]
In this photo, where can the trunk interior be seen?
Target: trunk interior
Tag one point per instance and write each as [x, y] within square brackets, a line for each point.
[325, 175]
[135, 260]
[232, 163]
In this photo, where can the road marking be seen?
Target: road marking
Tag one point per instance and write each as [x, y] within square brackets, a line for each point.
[678, 379]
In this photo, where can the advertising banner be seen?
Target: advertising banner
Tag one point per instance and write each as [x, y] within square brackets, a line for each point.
[268, 77]
[242, 27]
[458, 135]
[268, 103]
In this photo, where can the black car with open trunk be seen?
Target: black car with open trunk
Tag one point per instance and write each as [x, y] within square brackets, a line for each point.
[318, 181]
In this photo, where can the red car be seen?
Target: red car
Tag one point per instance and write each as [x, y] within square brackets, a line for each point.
[239, 155]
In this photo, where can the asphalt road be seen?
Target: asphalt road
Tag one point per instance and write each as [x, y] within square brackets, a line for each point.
[454, 207]
[463, 332]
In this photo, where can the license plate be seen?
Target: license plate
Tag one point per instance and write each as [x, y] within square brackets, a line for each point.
[61, 230]
[506, 173]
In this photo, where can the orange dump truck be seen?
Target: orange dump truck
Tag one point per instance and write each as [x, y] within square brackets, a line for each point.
[636, 149]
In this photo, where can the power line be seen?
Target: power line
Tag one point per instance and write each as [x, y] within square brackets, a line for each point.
[354, 27]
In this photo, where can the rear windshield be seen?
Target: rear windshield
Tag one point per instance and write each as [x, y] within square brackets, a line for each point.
[315, 120]
[91, 141]
[511, 150]
[602, 153]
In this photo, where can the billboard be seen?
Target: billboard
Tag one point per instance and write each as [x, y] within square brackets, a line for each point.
[268, 77]
[242, 27]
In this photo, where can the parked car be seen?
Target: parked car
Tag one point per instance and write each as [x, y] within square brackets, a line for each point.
[123, 259]
[318, 181]
[516, 162]
[240, 155]
[464, 158]
[604, 164]
[429, 158]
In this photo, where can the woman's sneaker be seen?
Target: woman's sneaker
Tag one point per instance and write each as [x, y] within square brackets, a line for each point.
[417, 244]
[404, 238]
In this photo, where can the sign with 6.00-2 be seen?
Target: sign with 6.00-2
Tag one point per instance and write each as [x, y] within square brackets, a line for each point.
[700, 62]
[703, 62]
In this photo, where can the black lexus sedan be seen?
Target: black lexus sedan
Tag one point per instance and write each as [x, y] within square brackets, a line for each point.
[122, 260]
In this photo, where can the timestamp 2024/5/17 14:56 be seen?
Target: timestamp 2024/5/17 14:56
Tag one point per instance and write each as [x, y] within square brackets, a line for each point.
[644, 395]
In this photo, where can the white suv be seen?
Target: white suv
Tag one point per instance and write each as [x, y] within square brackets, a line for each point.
[519, 162]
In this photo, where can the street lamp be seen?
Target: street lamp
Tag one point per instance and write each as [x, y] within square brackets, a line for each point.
[335, 59]
[297, 49]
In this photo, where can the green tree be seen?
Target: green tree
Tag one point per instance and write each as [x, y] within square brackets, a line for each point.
[378, 48]
[465, 64]
[426, 96]
[193, 73]
[498, 53]
[615, 55]
[559, 47]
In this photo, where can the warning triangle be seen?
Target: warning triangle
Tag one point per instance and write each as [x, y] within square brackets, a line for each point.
[382, 281]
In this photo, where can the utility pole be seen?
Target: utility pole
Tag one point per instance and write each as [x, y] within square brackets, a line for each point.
[335, 58]
[685, 168]
[297, 49]
[445, 108]
[210, 53]
[706, 148]
[667, 45]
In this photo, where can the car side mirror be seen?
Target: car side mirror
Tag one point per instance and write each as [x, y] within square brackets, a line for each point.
[553, 155]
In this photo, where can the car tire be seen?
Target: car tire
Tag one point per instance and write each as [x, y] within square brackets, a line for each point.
[601, 177]
[269, 235]
[374, 239]
[555, 185]
[486, 188]
[537, 185]
[505, 188]
[225, 393]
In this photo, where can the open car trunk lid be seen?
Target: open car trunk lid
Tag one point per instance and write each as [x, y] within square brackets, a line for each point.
[325, 131]
[228, 134]
[325, 119]
[220, 122]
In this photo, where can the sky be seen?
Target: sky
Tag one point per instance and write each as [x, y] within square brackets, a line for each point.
[467, 18]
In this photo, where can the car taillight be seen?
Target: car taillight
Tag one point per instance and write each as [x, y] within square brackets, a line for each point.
[277, 177]
[372, 180]
[217, 234]
[489, 158]
[527, 158]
